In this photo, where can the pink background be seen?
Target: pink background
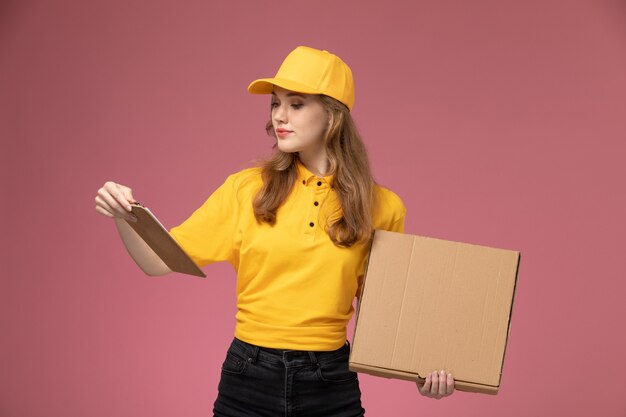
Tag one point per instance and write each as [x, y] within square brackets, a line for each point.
[498, 122]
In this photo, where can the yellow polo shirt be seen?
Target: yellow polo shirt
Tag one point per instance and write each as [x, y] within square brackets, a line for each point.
[295, 288]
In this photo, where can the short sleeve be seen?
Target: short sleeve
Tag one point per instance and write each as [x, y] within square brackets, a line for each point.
[393, 212]
[391, 218]
[208, 234]
[398, 224]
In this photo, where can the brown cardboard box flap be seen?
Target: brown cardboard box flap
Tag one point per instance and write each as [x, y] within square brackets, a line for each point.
[162, 243]
[431, 304]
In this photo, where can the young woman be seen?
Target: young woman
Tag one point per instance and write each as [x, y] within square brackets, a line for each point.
[297, 229]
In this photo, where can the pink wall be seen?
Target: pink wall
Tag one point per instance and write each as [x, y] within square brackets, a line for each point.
[498, 123]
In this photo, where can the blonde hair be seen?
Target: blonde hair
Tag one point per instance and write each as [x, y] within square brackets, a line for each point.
[353, 181]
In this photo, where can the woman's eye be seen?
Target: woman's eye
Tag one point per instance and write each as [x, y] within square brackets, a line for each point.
[273, 104]
[296, 105]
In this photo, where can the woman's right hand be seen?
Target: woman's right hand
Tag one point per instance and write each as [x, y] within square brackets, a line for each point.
[113, 200]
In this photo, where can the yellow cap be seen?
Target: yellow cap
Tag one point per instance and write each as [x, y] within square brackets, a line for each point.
[311, 71]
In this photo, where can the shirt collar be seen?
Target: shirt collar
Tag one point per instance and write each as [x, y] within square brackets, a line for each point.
[305, 176]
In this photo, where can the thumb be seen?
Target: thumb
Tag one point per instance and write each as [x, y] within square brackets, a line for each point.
[424, 387]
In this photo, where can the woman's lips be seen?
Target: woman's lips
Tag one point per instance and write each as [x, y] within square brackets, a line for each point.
[283, 132]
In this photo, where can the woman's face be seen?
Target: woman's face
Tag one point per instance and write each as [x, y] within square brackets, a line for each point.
[299, 121]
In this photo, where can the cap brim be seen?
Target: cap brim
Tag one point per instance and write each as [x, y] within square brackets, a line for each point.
[266, 86]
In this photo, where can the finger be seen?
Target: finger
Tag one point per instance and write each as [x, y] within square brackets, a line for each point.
[450, 384]
[104, 212]
[103, 208]
[425, 390]
[107, 202]
[115, 191]
[434, 389]
[442, 383]
[114, 198]
[100, 202]
[127, 193]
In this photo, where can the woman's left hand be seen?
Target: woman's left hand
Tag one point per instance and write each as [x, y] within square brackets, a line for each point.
[437, 385]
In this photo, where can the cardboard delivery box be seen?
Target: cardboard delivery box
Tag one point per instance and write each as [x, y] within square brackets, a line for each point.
[430, 304]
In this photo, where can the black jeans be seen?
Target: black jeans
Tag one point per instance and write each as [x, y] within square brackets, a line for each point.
[259, 382]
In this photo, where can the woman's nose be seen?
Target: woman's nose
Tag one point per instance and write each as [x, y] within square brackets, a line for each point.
[279, 114]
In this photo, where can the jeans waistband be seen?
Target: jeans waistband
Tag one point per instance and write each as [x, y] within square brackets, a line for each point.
[253, 353]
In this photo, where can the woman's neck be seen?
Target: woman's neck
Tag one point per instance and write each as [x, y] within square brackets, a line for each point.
[317, 164]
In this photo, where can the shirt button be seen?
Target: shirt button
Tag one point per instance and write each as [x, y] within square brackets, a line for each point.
[319, 183]
[311, 224]
[316, 204]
